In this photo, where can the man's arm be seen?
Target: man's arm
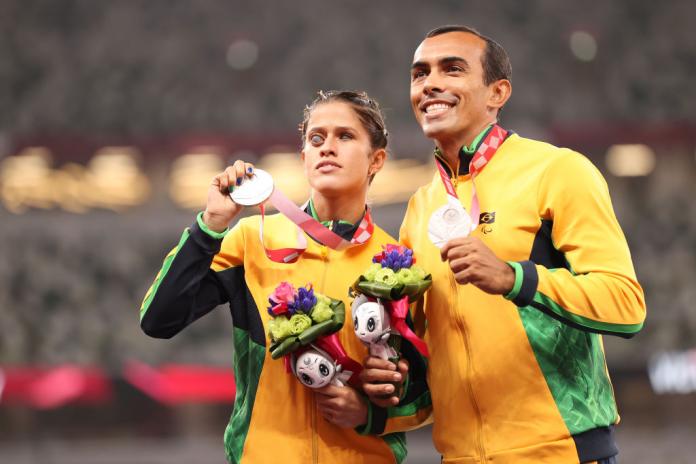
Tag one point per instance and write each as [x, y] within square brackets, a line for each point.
[597, 291]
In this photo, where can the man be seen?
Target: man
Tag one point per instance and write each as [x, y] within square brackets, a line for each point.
[517, 370]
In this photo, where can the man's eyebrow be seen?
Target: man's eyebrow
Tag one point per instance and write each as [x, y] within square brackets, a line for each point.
[443, 61]
[454, 59]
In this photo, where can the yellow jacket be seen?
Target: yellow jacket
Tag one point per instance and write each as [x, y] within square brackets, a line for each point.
[275, 417]
[522, 378]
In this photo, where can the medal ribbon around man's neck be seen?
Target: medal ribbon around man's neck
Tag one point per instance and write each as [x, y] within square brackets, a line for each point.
[482, 157]
[311, 226]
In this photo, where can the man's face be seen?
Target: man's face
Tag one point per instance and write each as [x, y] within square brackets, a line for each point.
[448, 95]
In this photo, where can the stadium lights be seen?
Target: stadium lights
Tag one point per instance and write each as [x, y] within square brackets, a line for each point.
[630, 160]
[112, 180]
[583, 45]
[242, 54]
[191, 175]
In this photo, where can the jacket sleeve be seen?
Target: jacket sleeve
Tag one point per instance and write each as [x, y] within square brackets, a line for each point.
[597, 289]
[187, 286]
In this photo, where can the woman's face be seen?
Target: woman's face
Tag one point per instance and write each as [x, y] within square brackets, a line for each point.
[337, 154]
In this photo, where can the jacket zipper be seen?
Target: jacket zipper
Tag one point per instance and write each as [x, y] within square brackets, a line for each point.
[454, 177]
[462, 326]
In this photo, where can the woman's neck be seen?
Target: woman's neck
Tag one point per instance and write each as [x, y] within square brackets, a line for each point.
[346, 208]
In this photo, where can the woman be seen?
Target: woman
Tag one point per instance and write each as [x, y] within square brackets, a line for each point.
[275, 418]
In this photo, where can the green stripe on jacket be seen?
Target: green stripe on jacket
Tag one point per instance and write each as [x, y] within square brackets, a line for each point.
[150, 295]
[248, 363]
[574, 368]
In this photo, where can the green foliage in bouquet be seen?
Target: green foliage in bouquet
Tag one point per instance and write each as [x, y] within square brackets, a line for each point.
[393, 275]
[299, 318]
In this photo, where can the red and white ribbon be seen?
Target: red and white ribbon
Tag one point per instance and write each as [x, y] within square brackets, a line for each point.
[496, 136]
[311, 226]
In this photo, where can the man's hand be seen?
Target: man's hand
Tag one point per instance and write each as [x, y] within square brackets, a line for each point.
[342, 406]
[472, 262]
[378, 377]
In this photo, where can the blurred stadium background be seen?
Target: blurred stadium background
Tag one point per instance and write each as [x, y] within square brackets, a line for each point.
[114, 115]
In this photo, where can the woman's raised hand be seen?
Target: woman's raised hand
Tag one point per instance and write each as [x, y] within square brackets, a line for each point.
[220, 209]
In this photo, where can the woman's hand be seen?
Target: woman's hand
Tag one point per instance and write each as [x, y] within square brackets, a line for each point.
[342, 406]
[220, 209]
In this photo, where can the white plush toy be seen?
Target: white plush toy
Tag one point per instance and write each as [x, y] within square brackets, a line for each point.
[372, 326]
[315, 369]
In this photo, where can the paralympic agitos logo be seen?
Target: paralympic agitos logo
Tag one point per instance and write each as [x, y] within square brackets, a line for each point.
[486, 219]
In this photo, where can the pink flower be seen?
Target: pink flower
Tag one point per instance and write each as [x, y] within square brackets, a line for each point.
[284, 293]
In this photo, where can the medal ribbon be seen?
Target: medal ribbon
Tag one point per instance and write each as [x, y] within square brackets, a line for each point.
[398, 313]
[311, 226]
[482, 157]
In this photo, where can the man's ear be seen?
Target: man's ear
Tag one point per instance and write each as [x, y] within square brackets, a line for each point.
[500, 92]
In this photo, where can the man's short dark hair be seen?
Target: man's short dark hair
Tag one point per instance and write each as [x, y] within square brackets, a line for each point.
[495, 62]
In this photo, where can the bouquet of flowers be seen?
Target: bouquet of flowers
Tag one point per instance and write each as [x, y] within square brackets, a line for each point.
[303, 331]
[382, 295]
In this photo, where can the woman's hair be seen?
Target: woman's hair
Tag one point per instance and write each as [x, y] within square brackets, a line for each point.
[365, 107]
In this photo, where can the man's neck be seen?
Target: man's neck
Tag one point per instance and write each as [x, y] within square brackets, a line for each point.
[451, 148]
[343, 208]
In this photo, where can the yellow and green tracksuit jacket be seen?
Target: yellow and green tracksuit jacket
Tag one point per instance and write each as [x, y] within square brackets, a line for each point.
[275, 418]
[522, 378]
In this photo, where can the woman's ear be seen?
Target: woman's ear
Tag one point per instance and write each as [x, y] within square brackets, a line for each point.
[377, 162]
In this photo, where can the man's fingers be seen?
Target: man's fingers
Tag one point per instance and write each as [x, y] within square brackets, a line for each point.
[373, 362]
[378, 389]
[376, 376]
[456, 248]
[460, 264]
[444, 251]
[403, 368]
[462, 277]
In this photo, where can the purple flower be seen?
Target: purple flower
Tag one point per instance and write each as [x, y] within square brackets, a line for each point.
[395, 257]
[304, 302]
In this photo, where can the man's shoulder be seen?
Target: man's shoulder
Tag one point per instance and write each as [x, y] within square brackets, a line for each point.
[518, 142]
[544, 153]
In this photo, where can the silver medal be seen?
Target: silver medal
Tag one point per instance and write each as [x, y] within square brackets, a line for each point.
[448, 222]
[254, 190]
